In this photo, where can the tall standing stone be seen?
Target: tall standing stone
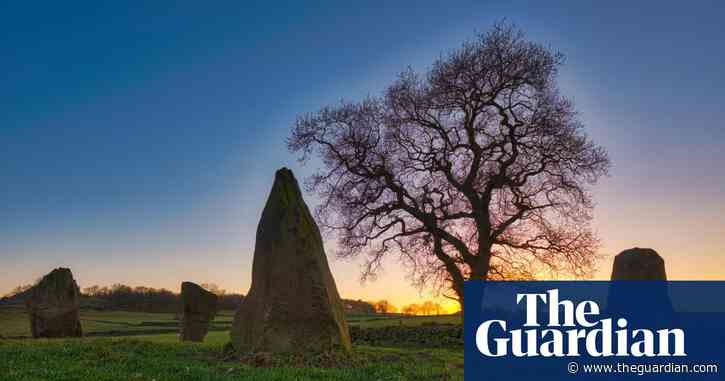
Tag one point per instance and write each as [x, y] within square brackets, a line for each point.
[199, 307]
[293, 304]
[639, 264]
[54, 306]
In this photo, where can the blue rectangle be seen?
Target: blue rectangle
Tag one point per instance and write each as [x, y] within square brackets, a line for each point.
[620, 330]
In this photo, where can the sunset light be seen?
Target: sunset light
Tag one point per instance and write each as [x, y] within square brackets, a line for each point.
[361, 191]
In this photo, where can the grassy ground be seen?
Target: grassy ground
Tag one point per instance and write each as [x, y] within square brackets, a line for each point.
[141, 350]
[374, 321]
[14, 322]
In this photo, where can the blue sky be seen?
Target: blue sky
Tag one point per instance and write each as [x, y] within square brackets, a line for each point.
[138, 142]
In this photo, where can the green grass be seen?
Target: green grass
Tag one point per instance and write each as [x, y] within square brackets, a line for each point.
[162, 357]
[14, 322]
[144, 352]
[374, 321]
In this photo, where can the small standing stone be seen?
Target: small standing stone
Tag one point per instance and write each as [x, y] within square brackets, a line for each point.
[54, 306]
[200, 307]
[650, 293]
[639, 264]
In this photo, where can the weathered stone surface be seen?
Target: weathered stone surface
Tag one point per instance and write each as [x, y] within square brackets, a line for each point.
[54, 306]
[199, 309]
[639, 264]
[293, 304]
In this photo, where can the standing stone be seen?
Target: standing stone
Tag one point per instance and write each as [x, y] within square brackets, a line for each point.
[54, 306]
[200, 307]
[639, 264]
[651, 294]
[293, 304]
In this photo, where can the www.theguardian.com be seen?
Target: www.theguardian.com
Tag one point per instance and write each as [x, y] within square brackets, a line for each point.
[642, 369]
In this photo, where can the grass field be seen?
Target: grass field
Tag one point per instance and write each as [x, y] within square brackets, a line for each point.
[14, 322]
[143, 346]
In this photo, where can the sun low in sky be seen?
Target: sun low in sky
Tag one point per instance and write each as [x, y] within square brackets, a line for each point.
[138, 144]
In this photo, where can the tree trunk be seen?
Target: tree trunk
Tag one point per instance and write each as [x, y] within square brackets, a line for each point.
[480, 266]
[458, 289]
[479, 271]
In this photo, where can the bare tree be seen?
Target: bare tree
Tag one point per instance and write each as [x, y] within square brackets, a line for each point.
[18, 290]
[213, 288]
[427, 308]
[411, 309]
[478, 169]
[384, 307]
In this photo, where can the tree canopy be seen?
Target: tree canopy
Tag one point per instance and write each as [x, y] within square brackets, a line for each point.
[478, 168]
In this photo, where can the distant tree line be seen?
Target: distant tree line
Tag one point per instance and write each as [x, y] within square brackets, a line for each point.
[149, 299]
[358, 306]
[426, 308]
[19, 290]
[126, 298]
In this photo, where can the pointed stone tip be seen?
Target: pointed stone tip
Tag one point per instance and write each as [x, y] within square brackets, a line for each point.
[60, 271]
[284, 173]
[285, 179]
[285, 190]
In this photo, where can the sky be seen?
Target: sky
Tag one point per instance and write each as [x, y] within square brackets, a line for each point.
[138, 142]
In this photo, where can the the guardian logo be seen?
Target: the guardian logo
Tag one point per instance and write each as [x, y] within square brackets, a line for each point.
[571, 329]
